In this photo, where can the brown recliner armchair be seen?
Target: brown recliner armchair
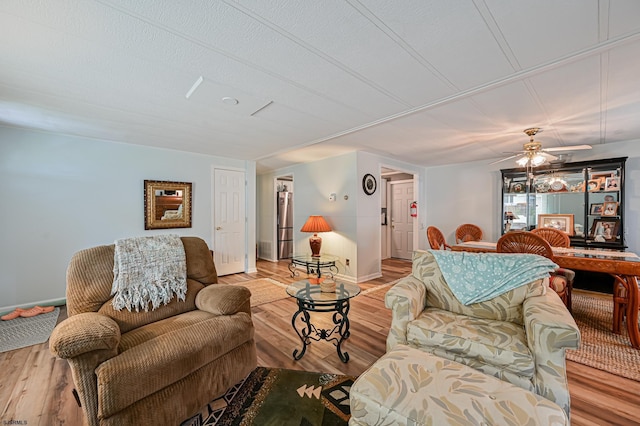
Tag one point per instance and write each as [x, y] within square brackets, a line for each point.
[155, 367]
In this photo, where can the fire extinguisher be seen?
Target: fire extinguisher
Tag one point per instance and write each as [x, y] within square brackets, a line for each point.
[413, 209]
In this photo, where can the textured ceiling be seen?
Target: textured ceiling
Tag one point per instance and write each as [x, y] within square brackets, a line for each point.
[426, 82]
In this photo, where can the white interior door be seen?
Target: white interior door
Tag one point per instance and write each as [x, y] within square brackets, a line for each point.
[401, 221]
[229, 222]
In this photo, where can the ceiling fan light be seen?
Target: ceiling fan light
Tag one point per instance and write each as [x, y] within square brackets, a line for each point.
[522, 161]
[538, 159]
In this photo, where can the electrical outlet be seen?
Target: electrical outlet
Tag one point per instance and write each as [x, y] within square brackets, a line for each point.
[347, 262]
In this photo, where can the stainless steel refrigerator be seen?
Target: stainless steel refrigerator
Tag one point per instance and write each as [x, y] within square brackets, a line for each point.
[285, 225]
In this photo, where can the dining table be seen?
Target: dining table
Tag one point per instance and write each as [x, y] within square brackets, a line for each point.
[623, 266]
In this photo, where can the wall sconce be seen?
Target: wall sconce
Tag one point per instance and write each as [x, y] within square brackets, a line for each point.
[332, 197]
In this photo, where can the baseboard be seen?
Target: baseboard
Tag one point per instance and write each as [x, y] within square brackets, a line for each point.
[50, 302]
[347, 278]
[369, 277]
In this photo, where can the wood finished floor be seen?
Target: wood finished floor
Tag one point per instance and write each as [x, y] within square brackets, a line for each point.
[35, 388]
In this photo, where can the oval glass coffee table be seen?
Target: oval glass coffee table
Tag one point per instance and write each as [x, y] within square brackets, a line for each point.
[311, 299]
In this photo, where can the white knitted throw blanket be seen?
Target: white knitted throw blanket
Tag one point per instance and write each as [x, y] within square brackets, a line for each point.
[148, 270]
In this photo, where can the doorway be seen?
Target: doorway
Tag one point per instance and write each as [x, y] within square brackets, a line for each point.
[397, 234]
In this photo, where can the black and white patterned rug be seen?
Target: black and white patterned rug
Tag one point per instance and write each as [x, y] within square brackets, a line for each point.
[274, 396]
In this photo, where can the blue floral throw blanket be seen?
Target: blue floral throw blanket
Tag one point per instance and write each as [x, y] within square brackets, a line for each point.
[476, 277]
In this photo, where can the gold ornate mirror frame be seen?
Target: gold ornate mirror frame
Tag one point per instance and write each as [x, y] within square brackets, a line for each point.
[167, 204]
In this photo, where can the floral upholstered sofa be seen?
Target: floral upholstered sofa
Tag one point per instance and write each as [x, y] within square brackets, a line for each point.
[411, 387]
[519, 336]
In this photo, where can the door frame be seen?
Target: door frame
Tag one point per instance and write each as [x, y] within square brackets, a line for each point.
[390, 213]
[416, 193]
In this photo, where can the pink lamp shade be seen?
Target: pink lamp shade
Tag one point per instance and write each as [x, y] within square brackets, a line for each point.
[315, 224]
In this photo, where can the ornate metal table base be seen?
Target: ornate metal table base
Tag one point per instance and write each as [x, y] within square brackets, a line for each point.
[308, 331]
[314, 265]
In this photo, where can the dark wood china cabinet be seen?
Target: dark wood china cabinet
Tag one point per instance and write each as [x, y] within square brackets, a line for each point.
[584, 199]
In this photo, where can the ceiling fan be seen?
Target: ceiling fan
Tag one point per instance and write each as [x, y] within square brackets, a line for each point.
[534, 155]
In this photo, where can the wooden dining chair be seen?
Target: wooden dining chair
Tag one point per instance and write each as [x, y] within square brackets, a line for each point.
[436, 239]
[621, 288]
[557, 238]
[468, 232]
[560, 281]
[554, 237]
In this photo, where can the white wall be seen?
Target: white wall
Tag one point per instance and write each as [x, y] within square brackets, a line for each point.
[369, 236]
[61, 194]
[470, 193]
[355, 221]
[463, 193]
[313, 182]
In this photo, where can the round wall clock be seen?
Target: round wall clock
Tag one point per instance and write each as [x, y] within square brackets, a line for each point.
[369, 184]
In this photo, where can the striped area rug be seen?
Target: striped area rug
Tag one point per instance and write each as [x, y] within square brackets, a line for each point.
[22, 332]
[265, 290]
[378, 292]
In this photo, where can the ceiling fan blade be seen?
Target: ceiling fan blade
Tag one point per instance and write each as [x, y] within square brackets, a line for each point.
[549, 157]
[505, 159]
[567, 148]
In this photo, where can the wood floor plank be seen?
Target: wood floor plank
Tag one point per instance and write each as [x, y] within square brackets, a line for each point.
[37, 387]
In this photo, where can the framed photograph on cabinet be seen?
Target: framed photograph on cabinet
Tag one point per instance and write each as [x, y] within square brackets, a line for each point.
[605, 229]
[517, 187]
[593, 185]
[610, 209]
[601, 177]
[596, 208]
[612, 184]
[561, 222]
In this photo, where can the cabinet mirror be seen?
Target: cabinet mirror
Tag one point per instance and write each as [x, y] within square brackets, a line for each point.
[167, 204]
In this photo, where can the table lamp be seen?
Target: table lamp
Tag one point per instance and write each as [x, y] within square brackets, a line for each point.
[315, 224]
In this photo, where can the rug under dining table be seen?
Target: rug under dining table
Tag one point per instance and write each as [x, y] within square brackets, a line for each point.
[600, 348]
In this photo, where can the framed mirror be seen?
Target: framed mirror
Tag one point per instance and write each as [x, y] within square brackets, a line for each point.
[167, 204]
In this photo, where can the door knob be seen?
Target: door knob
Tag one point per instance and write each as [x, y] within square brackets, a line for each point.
[218, 228]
